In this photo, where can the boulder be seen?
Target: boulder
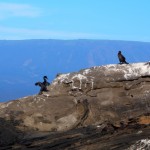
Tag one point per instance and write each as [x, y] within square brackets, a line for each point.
[101, 101]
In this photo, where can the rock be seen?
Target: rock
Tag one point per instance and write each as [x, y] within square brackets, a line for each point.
[83, 108]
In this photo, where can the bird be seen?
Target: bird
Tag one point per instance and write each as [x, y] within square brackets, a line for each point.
[43, 85]
[121, 58]
[45, 81]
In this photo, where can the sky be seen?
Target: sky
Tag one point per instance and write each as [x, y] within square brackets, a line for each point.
[75, 19]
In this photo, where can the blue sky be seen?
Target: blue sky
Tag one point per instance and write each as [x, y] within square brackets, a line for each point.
[75, 19]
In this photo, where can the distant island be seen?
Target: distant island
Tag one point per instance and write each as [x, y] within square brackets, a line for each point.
[23, 62]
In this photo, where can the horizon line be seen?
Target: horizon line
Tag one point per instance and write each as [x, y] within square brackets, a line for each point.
[74, 40]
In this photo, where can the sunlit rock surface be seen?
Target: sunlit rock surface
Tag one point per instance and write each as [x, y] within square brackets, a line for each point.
[104, 107]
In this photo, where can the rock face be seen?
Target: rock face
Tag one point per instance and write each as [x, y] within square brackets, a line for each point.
[97, 108]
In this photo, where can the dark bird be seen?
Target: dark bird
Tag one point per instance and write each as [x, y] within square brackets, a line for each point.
[43, 85]
[121, 58]
[46, 83]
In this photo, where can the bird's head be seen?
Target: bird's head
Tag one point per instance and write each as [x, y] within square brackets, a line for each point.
[45, 77]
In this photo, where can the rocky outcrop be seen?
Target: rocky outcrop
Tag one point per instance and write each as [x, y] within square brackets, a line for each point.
[83, 110]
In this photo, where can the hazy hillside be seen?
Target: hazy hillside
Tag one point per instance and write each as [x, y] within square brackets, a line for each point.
[24, 62]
